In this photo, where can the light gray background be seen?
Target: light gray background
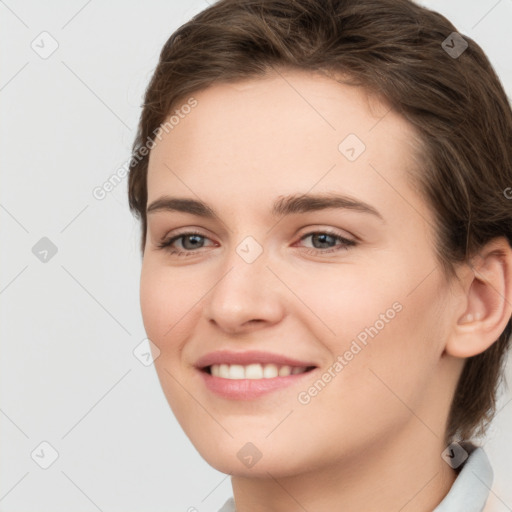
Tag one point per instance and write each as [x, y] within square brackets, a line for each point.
[69, 326]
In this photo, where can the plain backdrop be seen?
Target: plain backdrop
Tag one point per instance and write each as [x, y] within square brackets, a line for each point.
[72, 76]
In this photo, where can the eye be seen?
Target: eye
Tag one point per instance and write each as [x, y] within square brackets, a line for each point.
[327, 240]
[191, 241]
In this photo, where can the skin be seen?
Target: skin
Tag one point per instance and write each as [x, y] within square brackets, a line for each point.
[372, 438]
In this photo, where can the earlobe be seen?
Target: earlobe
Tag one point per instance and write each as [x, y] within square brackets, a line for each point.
[488, 301]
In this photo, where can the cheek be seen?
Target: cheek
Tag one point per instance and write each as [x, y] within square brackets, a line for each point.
[378, 328]
[374, 378]
[346, 303]
[153, 301]
[167, 307]
[165, 302]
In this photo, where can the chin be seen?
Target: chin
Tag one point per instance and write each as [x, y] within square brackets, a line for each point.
[248, 460]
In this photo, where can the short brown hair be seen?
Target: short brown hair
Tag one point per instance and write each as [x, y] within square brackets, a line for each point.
[395, 49]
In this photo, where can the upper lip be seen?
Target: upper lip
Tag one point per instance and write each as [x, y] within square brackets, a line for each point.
[248, 357]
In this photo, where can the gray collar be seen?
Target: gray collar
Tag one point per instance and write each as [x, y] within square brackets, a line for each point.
[471, 488]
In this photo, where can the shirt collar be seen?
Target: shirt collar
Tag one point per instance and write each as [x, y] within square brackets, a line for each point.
[471, 488]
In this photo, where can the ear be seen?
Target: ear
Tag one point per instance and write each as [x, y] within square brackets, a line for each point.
[486, 307]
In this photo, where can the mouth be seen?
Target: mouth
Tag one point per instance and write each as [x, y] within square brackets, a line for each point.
[254, 371]
[248, 375]
[252, 381]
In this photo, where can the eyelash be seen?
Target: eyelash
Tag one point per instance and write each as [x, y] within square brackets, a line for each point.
[346, 243]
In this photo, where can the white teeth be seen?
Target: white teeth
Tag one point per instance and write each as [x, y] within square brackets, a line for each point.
[223, 370]
[253, 371]
[236, 371]
[270, 371]
[284, 371]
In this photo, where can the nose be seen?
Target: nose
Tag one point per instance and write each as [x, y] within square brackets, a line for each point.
[246, 296]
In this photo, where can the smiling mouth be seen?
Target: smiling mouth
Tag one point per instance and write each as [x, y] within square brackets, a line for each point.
[254, 371]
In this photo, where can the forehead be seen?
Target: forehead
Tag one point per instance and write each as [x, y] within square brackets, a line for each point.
[284, 133]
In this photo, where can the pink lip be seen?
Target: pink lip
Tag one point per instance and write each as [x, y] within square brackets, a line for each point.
[248, 389]
[248, 357]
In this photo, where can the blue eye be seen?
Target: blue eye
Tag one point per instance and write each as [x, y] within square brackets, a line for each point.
[328, 237]
[193, 239]
[192, 242]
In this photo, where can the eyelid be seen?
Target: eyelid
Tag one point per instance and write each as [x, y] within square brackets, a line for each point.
[167, 239]
[346, 242]
[320, 228]
[306, 231]
[190, 230]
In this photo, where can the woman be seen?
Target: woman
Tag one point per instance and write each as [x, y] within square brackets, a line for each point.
[326, 240]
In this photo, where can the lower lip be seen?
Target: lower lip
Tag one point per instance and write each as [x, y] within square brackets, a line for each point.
[248, 389]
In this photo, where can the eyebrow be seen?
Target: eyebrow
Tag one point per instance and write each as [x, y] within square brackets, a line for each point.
[284, 205]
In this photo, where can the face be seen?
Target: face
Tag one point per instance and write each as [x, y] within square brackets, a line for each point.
[312, 252]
